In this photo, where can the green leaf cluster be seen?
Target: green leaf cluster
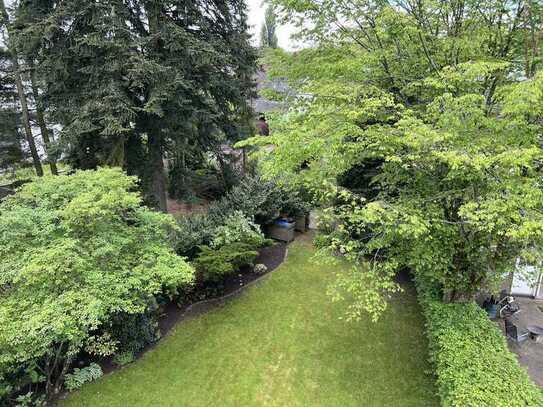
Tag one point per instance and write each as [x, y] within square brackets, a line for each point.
[80, 376]
[215, 263]
[76, 250]
[237, 228]
[472, 360]
[232, 245]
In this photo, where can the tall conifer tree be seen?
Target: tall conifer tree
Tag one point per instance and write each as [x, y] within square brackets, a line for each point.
[127, 80]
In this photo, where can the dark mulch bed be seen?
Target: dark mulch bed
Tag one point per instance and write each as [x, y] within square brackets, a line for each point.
[271, 257]
[207, 300]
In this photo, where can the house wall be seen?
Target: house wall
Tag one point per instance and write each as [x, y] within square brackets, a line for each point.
[536, 293]
[539, 293]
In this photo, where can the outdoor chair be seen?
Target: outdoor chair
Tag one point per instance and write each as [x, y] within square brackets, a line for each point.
[507, 305]
[513, 333]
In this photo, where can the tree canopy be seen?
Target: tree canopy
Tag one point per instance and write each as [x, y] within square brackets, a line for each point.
[130, 83]
[417, 126]
[75, 251]
[268, 36]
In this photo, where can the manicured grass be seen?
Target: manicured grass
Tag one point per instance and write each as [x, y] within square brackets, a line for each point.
[280, 344]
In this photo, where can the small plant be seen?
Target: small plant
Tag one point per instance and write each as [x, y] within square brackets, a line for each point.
[123, 358]
[237, 228]
[213, 264]
[194, 230]
[233, 245]
[260, 268]
[258, 199]
[79, 377]
[30, 399]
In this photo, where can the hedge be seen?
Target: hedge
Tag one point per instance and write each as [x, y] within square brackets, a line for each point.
[473, 363]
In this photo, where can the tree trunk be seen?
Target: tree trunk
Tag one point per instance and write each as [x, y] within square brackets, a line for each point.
[134, 154]
[155, 139]
[41, 122]
[26, 118]
[21, 94]
[158, 179]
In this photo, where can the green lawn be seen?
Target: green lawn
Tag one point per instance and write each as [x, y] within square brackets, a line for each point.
[279, 344]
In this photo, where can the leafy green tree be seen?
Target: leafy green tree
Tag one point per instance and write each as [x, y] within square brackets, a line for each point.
[75, 251]
[458, 194]
[402, 43]
[444, 129]
[268, 36]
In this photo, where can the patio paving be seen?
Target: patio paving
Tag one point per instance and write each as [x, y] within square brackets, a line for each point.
[529, 353]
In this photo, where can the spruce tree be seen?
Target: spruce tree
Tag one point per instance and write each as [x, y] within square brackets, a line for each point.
[10, 137]
[127, 81]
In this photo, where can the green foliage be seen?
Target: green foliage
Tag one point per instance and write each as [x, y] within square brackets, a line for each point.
[232, 245]
[473, 363]
[237, 228]
[133, 332]
[450, 186]
[260, 199]
[10, 137]
[75, 251]
[124, 358]
[268, 36]
[187, 185]
[31, 399]
[395, 44]
[79, 377]
[131, 81]
[194, 230]
[18, 173]
[255, 198]
[215, 263]
[421, 138]
[10, 142]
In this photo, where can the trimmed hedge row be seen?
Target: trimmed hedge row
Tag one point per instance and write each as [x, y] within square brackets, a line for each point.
[473, 363]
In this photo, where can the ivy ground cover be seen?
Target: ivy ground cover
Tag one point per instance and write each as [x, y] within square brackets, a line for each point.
[281, 343]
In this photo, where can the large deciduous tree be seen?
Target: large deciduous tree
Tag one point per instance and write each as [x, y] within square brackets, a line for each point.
[405, 41]
[415, 126]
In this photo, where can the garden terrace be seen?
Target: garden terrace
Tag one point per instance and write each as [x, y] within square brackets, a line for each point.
[530, 353]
